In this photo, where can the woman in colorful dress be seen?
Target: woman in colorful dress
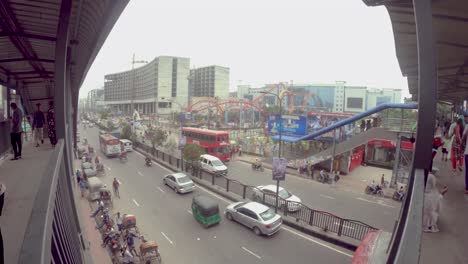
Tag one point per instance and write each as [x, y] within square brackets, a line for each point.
[51, 124]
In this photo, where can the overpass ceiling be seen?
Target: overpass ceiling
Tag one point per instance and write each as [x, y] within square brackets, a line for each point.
[450, 22]
[28, 34]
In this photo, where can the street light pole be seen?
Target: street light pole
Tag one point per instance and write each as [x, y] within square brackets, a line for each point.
[280, 102]
[279, 147]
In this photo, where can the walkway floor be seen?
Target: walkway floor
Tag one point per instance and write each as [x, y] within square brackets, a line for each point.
[451, 243]
[22, 179]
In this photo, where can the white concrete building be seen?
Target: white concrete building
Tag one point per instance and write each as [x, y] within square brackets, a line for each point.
[160, 86]
[210, 81]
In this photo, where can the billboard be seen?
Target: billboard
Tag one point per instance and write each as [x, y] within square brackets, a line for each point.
[291, 125]
[279, 169]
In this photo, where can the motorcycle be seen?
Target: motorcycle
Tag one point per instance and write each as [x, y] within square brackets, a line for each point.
[374, 190]
[148, 162]
[257, 167]
[397, 197]
[327, 179]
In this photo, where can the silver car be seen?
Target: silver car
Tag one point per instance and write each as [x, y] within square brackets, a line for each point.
[294, 202]
[179, 182]
[256, 216]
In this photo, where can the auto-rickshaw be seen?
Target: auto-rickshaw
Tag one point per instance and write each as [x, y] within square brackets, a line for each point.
[106, 197]
[80, 152]
[205, 210]
[149, 252]
[94, 186]
[129, 223]
[100, 168]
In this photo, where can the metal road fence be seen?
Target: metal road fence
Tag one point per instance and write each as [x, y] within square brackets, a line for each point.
[300, 212]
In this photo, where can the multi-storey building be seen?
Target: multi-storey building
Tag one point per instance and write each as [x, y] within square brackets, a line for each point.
[94, 100]
[210, 81]
[337, 97]
[160, 86]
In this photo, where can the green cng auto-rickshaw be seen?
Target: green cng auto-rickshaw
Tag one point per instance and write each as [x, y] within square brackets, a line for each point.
[205, 210]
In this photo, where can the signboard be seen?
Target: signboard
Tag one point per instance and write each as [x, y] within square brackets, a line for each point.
[186, 116]
[291, 125]
[279, 169]
[182, 142]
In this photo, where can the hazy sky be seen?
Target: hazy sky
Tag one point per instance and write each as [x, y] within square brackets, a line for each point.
[261, 41]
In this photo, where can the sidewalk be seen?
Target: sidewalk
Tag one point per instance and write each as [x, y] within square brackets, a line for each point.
[96, 253]
[450, 244]
[22, 179]
[355, 181]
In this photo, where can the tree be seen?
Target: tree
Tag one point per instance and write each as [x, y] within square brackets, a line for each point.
[110, 125]
[127, 132]
[192, 152]
[104, 114]
[157, 136]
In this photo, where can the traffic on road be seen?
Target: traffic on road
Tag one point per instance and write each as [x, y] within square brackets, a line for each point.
[166, 215]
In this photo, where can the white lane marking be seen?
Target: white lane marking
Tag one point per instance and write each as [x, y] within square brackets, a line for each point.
[139, 172]
[136, 203]
[108, 168]
[161, 190]
[251, 253]
[167, 238]
[326, 196]
[190, 212]
[378, 203]
[316, 242]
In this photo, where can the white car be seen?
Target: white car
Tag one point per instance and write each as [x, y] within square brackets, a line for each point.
[256, 216]
[294, 202]
[179, 182]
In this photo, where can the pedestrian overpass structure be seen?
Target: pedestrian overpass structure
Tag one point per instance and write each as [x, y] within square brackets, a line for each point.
[47, 48]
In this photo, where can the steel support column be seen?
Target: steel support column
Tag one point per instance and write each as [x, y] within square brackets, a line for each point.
[407, 237]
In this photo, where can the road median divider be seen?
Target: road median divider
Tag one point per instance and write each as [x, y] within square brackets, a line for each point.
[342, 232]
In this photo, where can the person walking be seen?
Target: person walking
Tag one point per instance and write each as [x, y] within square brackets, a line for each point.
[16, 130]
[457, 146]
[465, 138]
[38, 125]
[115, 186]
[363, 125]
[51, 124]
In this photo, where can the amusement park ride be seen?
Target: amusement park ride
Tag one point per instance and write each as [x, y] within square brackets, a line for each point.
[234, 104]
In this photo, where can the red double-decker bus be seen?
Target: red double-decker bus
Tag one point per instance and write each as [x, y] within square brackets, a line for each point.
[215, 142]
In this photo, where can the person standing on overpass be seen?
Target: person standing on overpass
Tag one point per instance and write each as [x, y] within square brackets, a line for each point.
[38, 125]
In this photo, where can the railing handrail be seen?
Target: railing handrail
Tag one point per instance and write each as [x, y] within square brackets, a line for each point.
[36, 245]
[354, 119]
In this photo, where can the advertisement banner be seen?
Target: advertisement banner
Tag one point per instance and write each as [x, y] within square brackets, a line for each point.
[279, 169]
[291, 125]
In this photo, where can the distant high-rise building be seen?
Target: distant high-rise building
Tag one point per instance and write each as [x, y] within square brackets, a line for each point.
[210, 81]
[159, 86]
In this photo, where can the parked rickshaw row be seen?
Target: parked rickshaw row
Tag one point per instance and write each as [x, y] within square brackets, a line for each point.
[118, 231]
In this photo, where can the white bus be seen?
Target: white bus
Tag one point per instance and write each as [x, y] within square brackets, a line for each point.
[109, 145]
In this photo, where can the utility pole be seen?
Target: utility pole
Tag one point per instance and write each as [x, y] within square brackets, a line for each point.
[132, 101]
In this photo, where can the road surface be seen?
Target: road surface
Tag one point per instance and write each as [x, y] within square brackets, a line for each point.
[164, 216]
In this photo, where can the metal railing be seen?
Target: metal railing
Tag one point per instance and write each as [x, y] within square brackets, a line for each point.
[52, 234]
[298, 211]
